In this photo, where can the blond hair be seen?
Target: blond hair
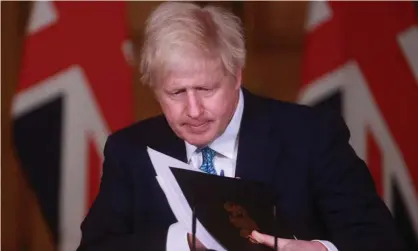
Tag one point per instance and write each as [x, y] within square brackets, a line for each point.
[185, 36]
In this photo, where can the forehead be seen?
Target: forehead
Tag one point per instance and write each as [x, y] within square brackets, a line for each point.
[195, 72]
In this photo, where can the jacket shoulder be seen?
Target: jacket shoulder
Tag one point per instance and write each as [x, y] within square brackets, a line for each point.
[141, 132]
[294, 113]
[303, 122]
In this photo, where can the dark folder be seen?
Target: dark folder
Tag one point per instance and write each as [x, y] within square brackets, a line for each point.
[231, 208]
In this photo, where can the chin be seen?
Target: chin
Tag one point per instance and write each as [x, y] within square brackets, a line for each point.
[199, 140]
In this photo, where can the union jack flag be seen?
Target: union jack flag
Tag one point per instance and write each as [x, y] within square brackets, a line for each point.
[361, 58]
[75, 88]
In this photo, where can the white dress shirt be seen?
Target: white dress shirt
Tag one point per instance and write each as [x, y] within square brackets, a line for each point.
[226, 148]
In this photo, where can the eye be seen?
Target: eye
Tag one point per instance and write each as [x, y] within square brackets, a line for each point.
[204, 89]
[176, 92]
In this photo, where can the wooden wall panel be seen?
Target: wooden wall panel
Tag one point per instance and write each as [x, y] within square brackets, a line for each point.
[273, 25]
[273, 74]
[145, 104]
[274, 42]
[13, 196]
[22, 223]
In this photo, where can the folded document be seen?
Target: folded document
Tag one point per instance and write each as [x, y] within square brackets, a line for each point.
[227, 209]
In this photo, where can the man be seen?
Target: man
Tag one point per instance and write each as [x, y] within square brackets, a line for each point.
[192, 59]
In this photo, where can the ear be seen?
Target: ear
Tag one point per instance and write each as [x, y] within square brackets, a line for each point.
[238, 78]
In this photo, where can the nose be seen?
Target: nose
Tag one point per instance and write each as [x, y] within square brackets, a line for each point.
[194, 108]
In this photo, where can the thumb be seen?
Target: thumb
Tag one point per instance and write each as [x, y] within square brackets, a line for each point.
[268, 240]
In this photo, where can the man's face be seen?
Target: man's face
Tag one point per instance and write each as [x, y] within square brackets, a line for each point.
[199, 105]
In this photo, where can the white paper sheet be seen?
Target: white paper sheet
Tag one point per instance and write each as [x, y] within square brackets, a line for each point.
[176, 198]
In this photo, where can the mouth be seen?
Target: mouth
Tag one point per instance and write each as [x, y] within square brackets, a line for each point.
[198, 128]
[198, 125]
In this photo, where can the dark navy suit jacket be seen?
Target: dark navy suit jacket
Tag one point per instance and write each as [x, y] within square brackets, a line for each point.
[322, 188]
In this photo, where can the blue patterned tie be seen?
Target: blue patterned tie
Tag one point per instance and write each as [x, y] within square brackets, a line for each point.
[207, 163]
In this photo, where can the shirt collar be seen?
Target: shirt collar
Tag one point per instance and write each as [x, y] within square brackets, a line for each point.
[226, 143]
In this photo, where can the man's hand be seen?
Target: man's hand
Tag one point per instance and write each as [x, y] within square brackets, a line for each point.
[287, 244]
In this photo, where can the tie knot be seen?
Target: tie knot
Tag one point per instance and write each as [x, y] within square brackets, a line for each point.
[208, 153]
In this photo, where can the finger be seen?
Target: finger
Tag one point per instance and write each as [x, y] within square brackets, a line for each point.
[199, 245]
[268, 240]
[263, 238]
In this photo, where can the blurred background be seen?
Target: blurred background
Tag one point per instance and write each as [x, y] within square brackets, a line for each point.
[70, 77]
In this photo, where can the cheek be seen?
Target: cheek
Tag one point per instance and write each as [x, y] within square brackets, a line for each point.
[218, 106]
[172, 111]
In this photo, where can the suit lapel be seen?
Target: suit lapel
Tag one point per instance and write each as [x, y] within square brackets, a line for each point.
[176, 149]
[257, 151]
[167, 142]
